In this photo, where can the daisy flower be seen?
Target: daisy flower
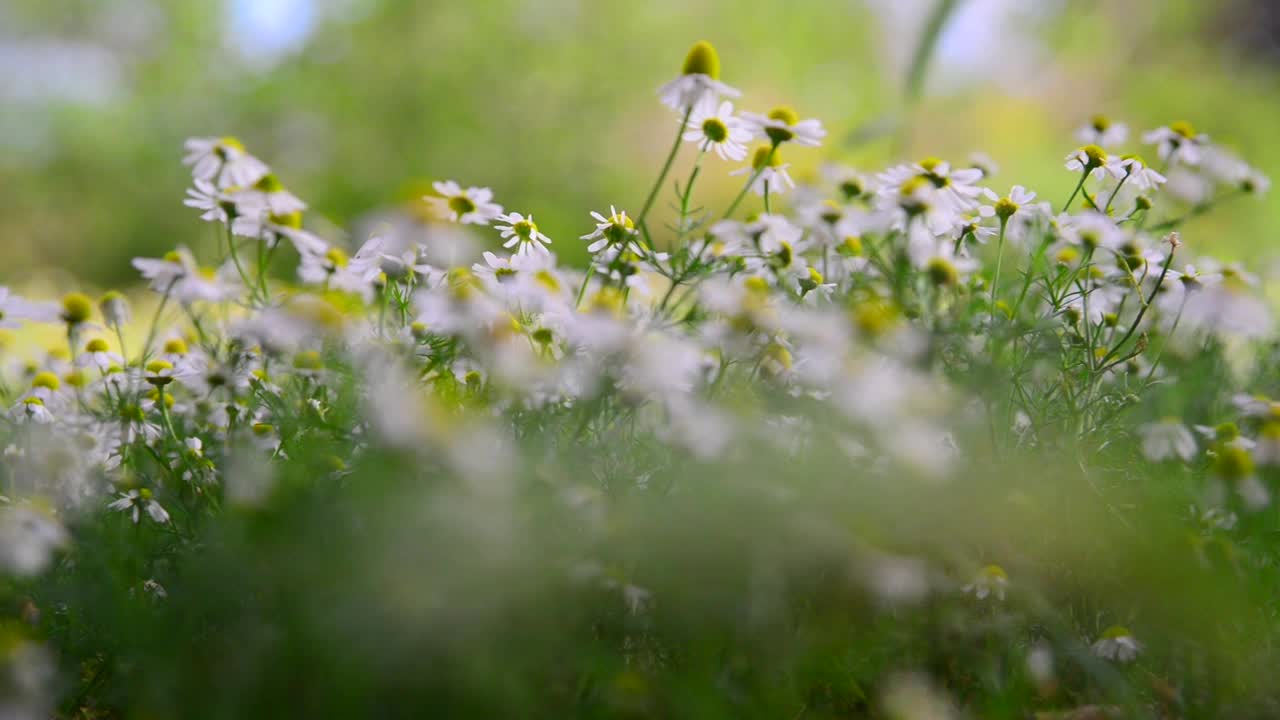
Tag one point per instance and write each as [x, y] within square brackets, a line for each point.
[97, 354]
[772, 171]
[223, 162]
[1093, 160]
[472, 206]
[162, 273]
[28, 539]
[208, 285]
[1091, 229]
[260, 223]
[1117, 644]
[1102, 132]
[1018, 203]
[699, 78]
[616, 229]
[782, 124]
[992, 581]
[956, 187]
[1178, 142]
[713, 127]
[1139, 175]
[522, 233]
[31, 409]
[14, 308]
[1165, 439]
[333, 269]
[212, 202]
[134, 501]
[268, 194]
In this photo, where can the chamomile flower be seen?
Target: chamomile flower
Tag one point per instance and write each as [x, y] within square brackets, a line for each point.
[29, 536]
[204, 284]
[14, 309]
[223, 162]
[1138, 175]
[261, 224]
[991, 582]
[1177, 143]
[1018, 203]
[1091, 230]
[333, 269]
[782, 125]
[1166, 439]
[957, 188]
[1102, 132]
[97, 354]
[214, 204]
[715, 128]
[472, 206]
[31, 409]
[164, 272]
[616, 229]
[267, 195]
[520, 232]
[699, 78]
[1092, 160]
[771, 172]
[135, 501]
[1117, 644]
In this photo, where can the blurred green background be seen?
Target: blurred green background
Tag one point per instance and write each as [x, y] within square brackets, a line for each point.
[357, 103]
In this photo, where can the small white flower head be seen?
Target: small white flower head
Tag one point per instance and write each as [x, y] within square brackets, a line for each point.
[214, 204]
[714, 127]
[32, 409]
[77, 309]
[1252, 181]
[1167, 439]
[699, 78]
[1102, 132]
[615, 230]
[134, 502]
[521, 232]
[991, 582]
[1117, 644]
[1005, 208]
[773, 176]
[1233, 463]
[115, 309]
[1177, 143]
[1134, 172]
[472, 206]
[28, 538]
[223, 162]
[160, 373]
[782, 124]
[13, 309]
[1267, 448]
[1091, 230]
[97, 354]
[984, 162]
[1090, 159]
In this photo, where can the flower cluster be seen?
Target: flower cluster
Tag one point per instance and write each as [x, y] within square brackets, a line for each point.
[889, 312]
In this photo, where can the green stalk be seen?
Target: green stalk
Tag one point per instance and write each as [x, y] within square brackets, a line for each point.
[666, 168]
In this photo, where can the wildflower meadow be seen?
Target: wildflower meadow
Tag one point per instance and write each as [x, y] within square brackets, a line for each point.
[907, 442]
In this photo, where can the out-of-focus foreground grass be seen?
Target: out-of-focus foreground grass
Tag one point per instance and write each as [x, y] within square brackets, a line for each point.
[360, 103]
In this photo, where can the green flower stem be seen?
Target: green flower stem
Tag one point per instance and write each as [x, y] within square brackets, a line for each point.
[995, 280]
[586, 280]
[750, 181]
[666, 168]
[155, 323]
[1142, 311]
